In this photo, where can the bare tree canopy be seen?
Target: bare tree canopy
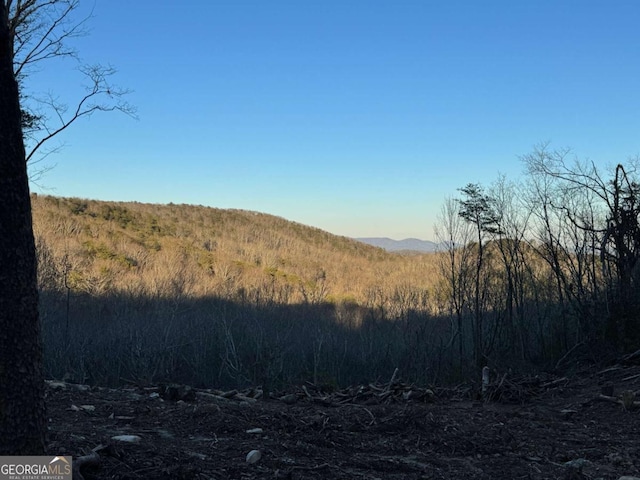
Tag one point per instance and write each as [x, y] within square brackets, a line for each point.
[40, 31]
[604, 211]
[546, 265]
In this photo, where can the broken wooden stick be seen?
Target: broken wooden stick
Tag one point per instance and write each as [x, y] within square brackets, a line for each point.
[393, 379]
[626, 404]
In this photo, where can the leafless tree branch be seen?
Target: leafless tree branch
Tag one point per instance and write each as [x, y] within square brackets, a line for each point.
[41, 30]
[100, 96]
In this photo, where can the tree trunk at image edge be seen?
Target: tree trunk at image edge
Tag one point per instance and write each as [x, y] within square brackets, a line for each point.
[22, 414]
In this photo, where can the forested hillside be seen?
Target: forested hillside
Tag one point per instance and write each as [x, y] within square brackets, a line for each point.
[141, 292]
[539, 274]
[177, 250]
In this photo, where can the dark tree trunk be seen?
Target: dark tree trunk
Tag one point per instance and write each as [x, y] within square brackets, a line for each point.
[22, 414]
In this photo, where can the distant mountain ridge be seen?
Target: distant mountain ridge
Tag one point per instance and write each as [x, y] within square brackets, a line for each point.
[408, 244]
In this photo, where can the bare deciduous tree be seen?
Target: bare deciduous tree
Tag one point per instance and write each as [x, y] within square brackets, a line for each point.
[510, 241]
[455, 235]
[603, 227]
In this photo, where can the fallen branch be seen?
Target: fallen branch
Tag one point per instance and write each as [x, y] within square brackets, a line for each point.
[609, 370]
[632, 358]
[555, 382]
[607, 398]
[310, 468]
[564, 357]
[211, 396]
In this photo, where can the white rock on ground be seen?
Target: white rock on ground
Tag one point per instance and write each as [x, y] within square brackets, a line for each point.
[127, 438]
[253, 456]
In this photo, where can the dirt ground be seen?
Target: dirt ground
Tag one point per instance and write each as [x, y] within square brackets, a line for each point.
[576, 427]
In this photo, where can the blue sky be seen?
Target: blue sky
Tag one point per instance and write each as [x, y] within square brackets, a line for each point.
[355, 116]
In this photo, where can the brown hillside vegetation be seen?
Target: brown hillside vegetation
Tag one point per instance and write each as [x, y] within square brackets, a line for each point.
[164, 250]
[143, 293]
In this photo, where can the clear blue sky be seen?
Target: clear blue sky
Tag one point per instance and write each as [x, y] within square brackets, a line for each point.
[355, 116]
